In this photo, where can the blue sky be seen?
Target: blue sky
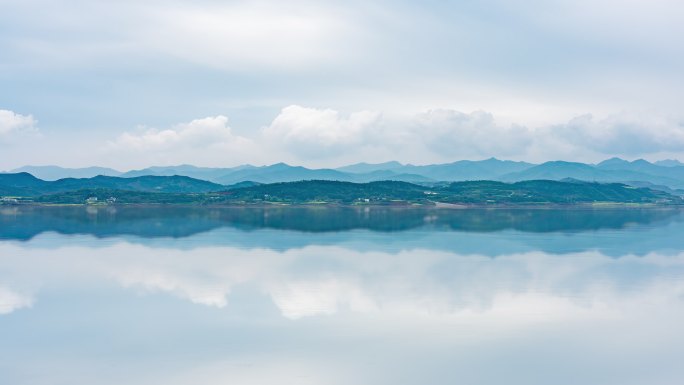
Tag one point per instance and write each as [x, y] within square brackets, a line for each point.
[129, 84]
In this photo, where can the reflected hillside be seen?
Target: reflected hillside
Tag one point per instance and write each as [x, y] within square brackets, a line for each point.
[23, 223]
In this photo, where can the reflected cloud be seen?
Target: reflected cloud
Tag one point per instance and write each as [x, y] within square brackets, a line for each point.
[336, 314]
[11, 301]
[417, 285]
[325, 297]
[184, 287]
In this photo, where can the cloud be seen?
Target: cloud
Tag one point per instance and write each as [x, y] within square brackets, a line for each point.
[235, 36]
[528, 61]
[200, 140]
[325, 137]
[13, 123]
[435, 134]
[247, 35]
[458, 134]
[199, 132]
[625, 134]
[322, 132]
[442, 135]
[11, 300]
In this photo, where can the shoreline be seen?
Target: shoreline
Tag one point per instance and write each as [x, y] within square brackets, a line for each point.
[434, 206]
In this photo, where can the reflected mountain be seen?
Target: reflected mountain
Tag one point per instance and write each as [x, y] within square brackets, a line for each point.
[24, 223]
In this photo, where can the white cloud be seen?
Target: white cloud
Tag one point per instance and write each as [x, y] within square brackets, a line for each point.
[326, 137]
[13, 123]
[532, 59]
[434, 135]
[200, 141]
[442, 135]
[11, 300]
[475, 135]
[624, 134]
[322, 132]
[199, 132]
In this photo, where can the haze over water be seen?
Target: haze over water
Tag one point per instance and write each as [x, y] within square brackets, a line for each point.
[341, 296]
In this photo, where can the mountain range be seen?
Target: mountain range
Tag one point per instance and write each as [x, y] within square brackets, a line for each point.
[667, 175]
[26, 185]
[336, 193]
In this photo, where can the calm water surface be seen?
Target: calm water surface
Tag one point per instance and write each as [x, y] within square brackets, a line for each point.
[341, 296]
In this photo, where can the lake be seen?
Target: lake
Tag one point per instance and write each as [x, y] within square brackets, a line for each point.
[182, 295]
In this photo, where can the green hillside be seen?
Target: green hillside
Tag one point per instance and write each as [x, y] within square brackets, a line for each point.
[322, 192]
[26, 185]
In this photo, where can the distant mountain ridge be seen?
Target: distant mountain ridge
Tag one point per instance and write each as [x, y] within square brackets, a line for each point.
[386, 193]
[51, 173]
[282, 172]
[668, 163]
[609, 171]
[667, 174]
[26, 185]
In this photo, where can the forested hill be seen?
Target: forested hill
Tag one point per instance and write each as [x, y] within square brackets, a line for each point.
[475, 192]
[26, 185]
[316, 192]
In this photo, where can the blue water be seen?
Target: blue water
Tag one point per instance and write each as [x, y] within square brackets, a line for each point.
[341, 296]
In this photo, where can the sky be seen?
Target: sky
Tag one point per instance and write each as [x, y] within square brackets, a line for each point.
[130, 84]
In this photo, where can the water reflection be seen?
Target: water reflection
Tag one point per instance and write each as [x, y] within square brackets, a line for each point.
[323, 280]
[23, 223]
[449, 298]
[488, 232]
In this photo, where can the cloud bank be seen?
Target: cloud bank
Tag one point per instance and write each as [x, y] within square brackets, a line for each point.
[623, 134]
[326, 137]
[360, 81]
[530, 61]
